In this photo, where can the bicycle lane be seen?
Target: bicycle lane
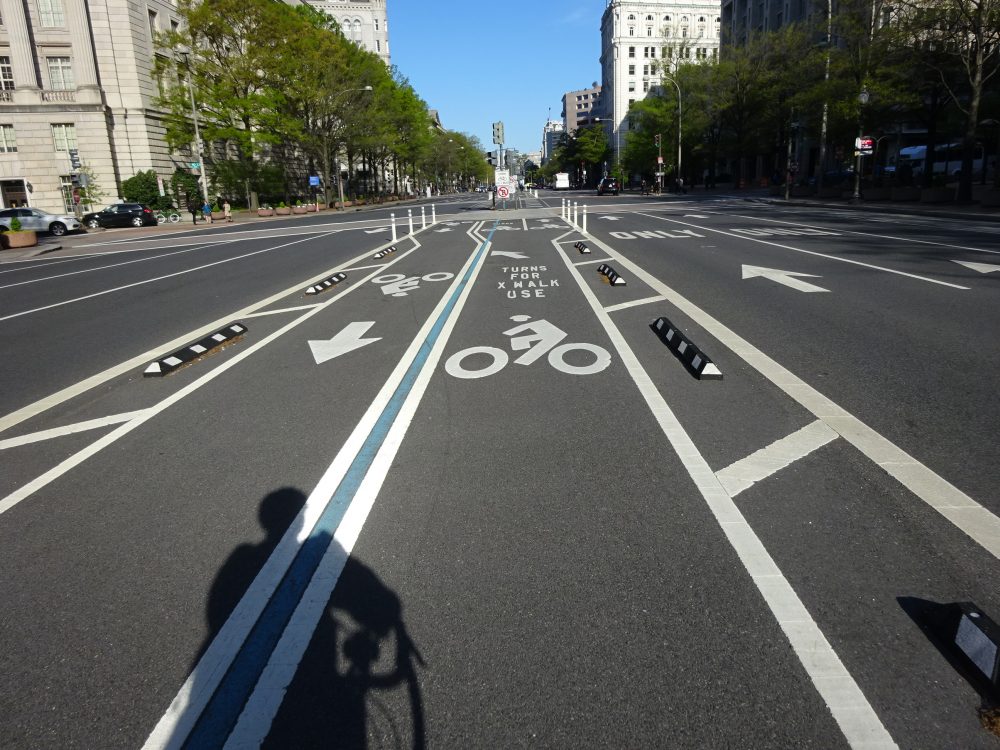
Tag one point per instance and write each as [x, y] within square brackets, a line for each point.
[539, 568]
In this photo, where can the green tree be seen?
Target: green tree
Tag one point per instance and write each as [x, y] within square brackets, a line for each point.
[143, 187]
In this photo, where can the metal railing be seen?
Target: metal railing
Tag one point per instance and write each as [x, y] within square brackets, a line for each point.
[58, 96]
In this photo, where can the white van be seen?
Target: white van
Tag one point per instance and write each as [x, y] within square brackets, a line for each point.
[561, 181]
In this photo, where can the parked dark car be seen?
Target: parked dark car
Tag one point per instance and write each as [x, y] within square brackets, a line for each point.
[608, 185]
[121, 215]
[39, 221]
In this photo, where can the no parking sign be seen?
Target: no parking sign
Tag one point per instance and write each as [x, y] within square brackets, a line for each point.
[503, 191]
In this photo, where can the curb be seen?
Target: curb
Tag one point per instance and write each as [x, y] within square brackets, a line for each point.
[693, 358]
[610, 274]
[322, 286]
[584, 250]
[207, 345]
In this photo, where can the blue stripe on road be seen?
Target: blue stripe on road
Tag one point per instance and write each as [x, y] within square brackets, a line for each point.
[223, 710]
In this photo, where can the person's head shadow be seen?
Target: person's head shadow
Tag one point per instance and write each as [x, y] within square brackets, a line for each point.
[357, 679]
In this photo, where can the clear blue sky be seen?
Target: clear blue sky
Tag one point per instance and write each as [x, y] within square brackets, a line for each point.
[478, 62]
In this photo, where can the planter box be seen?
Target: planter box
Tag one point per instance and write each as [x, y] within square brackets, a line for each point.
[265, 212]
[905, 194]
[937, 195]
[876, 194]
[282, 211]
[347, 204]
[311, 208]
[990, 199]
[298, 209]
[14, 240]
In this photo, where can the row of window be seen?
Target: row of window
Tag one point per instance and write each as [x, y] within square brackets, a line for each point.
[60, 73]
[666, 32]
[666, 19]
[63, 137]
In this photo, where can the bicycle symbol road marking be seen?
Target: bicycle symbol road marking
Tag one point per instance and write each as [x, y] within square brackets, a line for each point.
[539, 338]
[400, 285]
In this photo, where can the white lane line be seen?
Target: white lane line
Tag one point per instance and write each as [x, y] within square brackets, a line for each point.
[82, 455]
[112, 265]
[363, 268]
[633, 303]
[807, 252]
[154, 279]
[870, 234]
[70, 429]
[42, 263]
[966, 514]
[591, 262]
[851, 710]
[262, 706]
[281, 311]
[72, 391]
[525, 223]
[770, 460]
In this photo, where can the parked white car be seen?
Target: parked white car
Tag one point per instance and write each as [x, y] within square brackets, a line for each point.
[40, 221]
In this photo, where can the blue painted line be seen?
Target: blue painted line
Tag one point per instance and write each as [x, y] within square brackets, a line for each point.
[223, 710]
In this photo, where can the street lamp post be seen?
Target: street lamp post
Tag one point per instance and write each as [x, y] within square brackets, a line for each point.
[203, 177]
[679, 124]
[340, 180]
[863, 98]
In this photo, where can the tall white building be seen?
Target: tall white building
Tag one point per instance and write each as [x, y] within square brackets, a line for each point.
[550, 137]
[365, 22]
[643, 39]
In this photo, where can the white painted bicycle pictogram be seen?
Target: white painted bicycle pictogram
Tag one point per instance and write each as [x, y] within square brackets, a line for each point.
[539, 338]
[400, 285]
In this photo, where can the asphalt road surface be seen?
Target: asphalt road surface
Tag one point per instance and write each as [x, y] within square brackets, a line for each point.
[471, 495]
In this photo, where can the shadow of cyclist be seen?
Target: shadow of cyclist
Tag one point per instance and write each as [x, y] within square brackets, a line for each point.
[356, 685]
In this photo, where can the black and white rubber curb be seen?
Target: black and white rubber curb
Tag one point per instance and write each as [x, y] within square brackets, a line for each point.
[611, 274]
[382, 253]
[584, 250]
[693, 358]
[326, 283]
[168, 364]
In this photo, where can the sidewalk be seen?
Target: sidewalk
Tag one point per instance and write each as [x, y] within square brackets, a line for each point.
[48, 244]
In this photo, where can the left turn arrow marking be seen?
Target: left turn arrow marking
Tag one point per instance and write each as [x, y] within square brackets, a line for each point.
[347, 340]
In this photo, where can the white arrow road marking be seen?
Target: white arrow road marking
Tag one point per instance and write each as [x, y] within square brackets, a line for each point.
[694, 216]
[610, 218]
[784, 277]
[375, 231]
[346, 341]
[509, 254]
[442, 230]
[981, 267]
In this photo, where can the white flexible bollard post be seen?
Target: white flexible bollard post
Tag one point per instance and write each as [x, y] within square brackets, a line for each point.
[562, 210]
[434, 215]
[423, 218]
[409, 213]
[393, 217]
[576, 214]
[584, 219]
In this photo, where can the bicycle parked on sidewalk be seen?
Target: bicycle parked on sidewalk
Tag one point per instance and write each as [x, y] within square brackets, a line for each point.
[173, 217]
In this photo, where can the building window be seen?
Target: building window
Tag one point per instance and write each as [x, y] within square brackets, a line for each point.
[378, 45]
[376, 24]
[631, 30]
[631, 86]
[631, 51]
[8, 143]
[175, 26]
[64, 136]
[50, 13]
[60, 74]
[645, 85]
[631, 70]
[649, 31]
[652, 52]
[6, 74]
[152, 26]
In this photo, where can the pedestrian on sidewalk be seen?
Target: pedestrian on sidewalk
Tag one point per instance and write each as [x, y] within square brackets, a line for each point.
[228, 211]
[206, 210]
[193, 208]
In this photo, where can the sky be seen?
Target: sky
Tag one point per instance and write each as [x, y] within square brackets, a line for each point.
[480, 62]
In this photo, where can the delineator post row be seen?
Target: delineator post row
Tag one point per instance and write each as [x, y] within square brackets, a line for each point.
[207, 345]
[325, 284]
[693, 358]
[611, 275]
[584, 250]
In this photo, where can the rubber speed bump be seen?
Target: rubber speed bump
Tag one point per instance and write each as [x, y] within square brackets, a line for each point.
[584, 250]
[207, 345]
[326, 283]
[611, 275]
[693, 358]
[382, 253]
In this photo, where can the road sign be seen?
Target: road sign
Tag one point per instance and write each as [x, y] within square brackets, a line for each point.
[503, 191]
[864, 145]
[659, 160]
[313, 180]
[195, 164]
[159, 186]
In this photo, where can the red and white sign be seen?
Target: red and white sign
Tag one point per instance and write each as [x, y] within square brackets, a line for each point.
[503, 191]
[659, 160]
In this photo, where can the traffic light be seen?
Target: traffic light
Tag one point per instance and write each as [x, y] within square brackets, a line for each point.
[498, 133]
[74, 158]
[490, 158]
[657, 140]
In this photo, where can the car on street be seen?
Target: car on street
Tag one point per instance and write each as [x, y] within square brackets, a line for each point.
[608, 185]
[121, 215]
[39, 221]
